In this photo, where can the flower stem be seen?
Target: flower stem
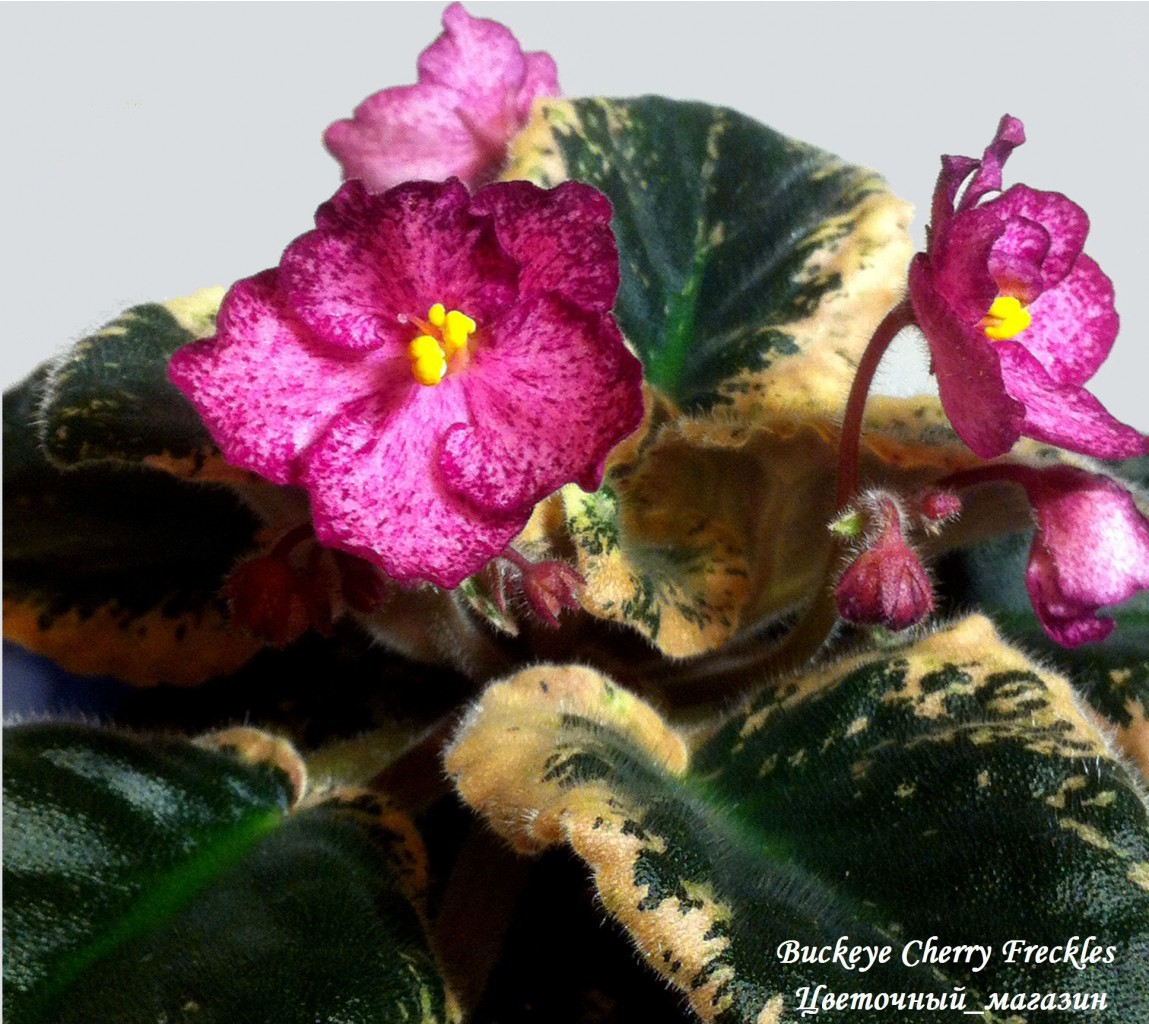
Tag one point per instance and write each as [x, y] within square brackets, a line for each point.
[850, 443]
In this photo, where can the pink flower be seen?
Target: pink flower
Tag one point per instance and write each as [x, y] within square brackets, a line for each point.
[886, 585]
[1017, 318]
[427, 365]
[475, 91]
[1090, 550]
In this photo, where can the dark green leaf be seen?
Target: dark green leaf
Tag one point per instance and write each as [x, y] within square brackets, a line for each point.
[115, 569]
[740, 248]
[158, 881]
[109, 397]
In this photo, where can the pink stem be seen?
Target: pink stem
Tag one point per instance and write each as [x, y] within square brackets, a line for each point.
[849, 446]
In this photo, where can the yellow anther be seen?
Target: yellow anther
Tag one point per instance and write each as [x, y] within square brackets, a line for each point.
[1006, 319]
[437, 314]
[428, 364]
[456, 329]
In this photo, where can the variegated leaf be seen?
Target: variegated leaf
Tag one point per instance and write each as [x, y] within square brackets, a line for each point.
[165, 880]
[950, 789]
[754, 267]
[115, 569]
[109, 396]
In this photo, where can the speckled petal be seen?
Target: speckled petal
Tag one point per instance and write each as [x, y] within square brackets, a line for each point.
[1015, 260]
[960, 264]
[561, 238]
[541, 79]
[376, 260]
[969, 377]
[955, 170]
[1010, 134]
[481, 60]
[405, 134]
[1064, 414]
[375, 491]
[1065, 221]
[264, 386]
[549, 397]
[1074, 325]
[1091, 550]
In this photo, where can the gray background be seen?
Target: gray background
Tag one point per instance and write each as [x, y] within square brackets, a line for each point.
[150, 149]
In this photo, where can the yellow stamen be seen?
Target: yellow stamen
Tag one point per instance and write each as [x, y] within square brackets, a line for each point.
[1006, 319]
[457, 328]
[428, 364]
[445, 334]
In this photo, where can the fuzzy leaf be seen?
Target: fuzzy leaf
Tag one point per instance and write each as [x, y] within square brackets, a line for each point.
[1112, 675]
[712, 527]
[113, 569]
[162, 880]
[109, 396]
[948, 789]
[748, 259]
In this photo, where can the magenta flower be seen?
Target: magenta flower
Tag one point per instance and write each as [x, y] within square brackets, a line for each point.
[1091, 550]
[475, 91]
[427, 365]
[886, 585]
[1017, 317]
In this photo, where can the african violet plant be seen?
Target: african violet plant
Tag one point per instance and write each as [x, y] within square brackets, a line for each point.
[603, 651]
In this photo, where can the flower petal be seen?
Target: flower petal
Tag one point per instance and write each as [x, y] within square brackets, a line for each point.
[1074, 324]
[541, 79]
[1091, 550]
[560, 237]
[264, 386]
[1010, 134]
[549, 396]
[1015, 261]
[1064, 414]
[970, 382]
[404, 134]
[375, 260]
[960, 261]
[481, 60]
[376, 493]
[1066, 222]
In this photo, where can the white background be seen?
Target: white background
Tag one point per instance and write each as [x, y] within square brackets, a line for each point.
[149, 149]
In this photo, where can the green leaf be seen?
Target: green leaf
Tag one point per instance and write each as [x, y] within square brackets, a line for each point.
[742, 251]
[160, 880]
[949, 789]
[109, 397]
[116, 569]
[1112, 675]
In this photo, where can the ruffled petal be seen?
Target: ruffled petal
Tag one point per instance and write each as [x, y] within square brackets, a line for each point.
[560, 237]
[960, 263]
[955, 170]
[1074, 324]
[264, 386]
[541, 79]
[376, 491]
[1064, 414]
[549, 396]
[970, 382]
[1091, 550]
[405, 134]
[377, 260]
[481, 61]
[1010, 134]
[1066, 222]
[1015, 260]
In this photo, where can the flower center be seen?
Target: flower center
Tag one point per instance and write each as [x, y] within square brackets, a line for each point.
[1006, 318]
[444, 336]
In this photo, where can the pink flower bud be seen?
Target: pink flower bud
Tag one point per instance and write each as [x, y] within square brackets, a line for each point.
[886, 585]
